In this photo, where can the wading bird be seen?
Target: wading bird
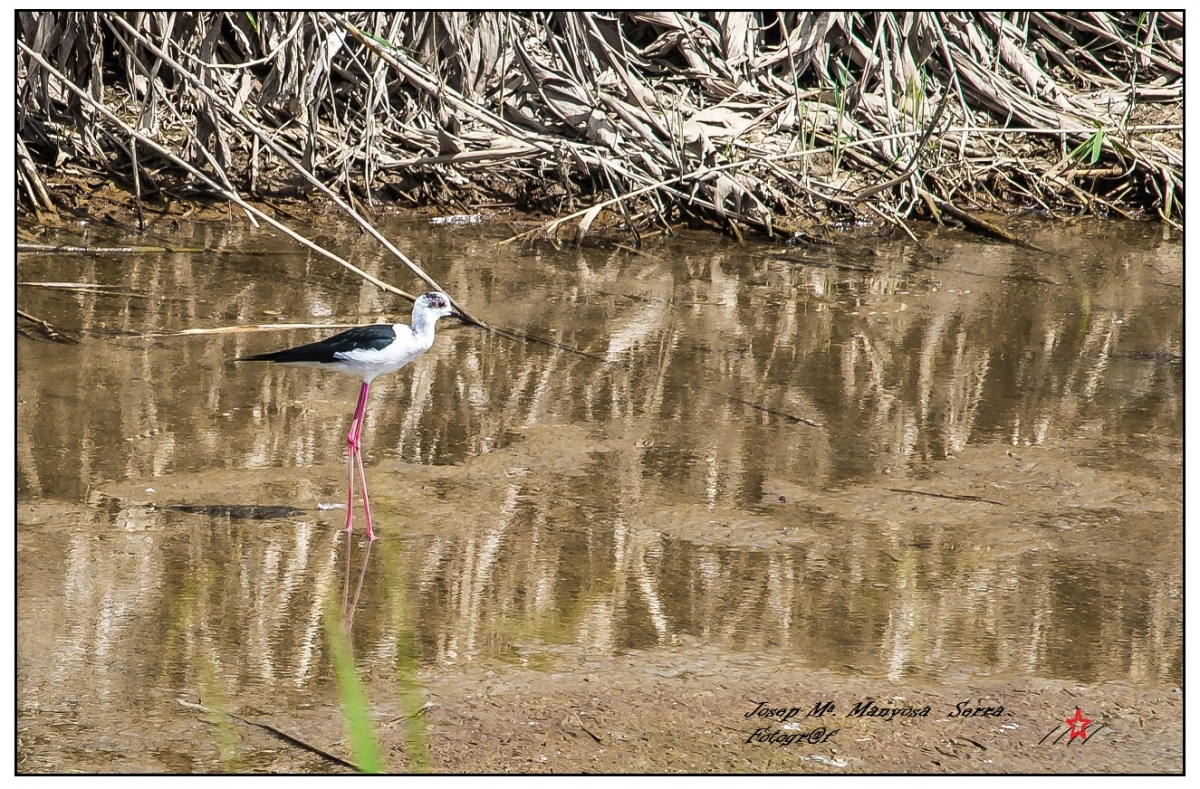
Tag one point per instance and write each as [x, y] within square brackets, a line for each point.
[367, 352]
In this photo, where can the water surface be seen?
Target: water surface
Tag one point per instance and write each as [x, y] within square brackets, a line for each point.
[958, 458]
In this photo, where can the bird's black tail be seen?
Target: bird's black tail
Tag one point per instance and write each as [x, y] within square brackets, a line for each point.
[276, 356]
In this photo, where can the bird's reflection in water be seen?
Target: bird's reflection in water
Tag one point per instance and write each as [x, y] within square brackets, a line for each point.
[349, 606]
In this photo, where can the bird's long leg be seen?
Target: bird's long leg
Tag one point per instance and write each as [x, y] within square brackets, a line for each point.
[350, 485]
[353, 451]
[346, 581]
[362, 475]
[366, 504]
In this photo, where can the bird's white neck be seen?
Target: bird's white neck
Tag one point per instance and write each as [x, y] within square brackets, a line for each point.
[423, 326]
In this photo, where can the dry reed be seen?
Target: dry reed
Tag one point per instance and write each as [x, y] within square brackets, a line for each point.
[774, 121]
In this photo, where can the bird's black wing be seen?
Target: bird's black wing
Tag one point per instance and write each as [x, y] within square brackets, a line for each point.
[374, 337]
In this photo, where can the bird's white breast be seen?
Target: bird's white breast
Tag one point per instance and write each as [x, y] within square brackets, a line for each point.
[370, 362]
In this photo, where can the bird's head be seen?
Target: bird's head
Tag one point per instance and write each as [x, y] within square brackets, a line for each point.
[434, 305]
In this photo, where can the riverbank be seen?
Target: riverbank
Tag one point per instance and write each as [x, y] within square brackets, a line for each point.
[778, 124]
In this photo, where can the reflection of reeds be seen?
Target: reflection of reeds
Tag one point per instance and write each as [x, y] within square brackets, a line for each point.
[576, 545]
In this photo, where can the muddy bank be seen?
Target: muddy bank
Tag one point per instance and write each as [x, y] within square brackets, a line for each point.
[685, 711]
[678, 710]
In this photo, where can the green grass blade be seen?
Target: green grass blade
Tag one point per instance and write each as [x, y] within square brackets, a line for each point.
[411, 701]
[359, 730]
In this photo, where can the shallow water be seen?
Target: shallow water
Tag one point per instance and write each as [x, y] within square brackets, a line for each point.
[960, 458]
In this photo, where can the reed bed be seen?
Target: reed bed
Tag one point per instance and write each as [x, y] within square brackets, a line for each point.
[772, 122]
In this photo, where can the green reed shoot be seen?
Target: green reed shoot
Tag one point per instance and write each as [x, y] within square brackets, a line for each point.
[359, 730]
[416, 735]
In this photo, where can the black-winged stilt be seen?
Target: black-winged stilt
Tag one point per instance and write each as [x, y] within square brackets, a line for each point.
[368, 351]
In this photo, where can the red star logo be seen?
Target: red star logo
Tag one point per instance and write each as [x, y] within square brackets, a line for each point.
[1078, 725]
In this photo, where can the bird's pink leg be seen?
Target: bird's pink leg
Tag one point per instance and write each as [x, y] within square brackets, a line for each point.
[350, 496]
[366, 504]
[353, 450]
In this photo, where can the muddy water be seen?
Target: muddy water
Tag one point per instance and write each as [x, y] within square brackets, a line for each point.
[884, 460]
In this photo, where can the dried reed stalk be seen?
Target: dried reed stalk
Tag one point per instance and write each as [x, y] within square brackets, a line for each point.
[766, 120]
